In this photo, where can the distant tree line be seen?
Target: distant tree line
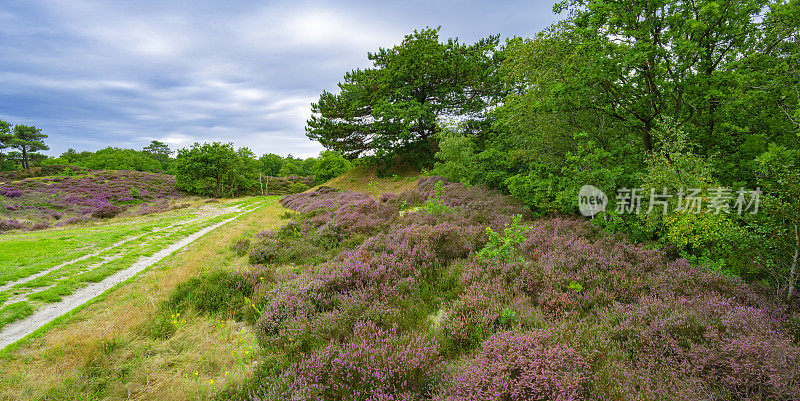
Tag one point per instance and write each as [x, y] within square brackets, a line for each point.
[218, 169]
[657, 95]
[154, 158]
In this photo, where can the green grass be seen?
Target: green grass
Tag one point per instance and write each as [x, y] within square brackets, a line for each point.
[102, 349]
[13, 312]
[25, 253]
[154, 234]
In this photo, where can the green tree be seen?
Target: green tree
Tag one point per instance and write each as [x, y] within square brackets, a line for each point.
[271, 164]
[307, 166]
[330, 165]
[394, 107]
[110, 159]
[70, 156]
[288, 168]
[244, 174]
[779, 221]
[27, 139]
[456, 156]
[5, 135]
[159, 151]
[5, 138]
[206, 169]
[661, 58]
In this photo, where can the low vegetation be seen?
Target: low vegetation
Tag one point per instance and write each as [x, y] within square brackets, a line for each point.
[140, 341]
[429, 304]
[78, 196]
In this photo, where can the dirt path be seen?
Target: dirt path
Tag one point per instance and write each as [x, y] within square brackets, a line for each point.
[18, 330]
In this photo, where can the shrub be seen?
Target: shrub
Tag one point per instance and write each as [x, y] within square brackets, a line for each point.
[376, 364]
[284, 250]
[506, 247]
[10, 192]
[106, 211]
[10, 224]
[520, 366]
[213, 292]
[435, 204]
[297, 187]
[652, 326]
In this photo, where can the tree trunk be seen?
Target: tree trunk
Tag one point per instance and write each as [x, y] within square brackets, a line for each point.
[647, 137]
[793, 271]
[24, 157]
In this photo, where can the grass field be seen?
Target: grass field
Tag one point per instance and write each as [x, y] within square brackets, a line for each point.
[43, 267]
[108, 350]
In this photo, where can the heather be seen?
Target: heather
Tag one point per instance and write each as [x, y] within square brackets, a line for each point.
[76, 196]
[468, 299]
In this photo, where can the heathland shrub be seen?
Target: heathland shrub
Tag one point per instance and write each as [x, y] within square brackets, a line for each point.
[520, 366]
[101, 194]
[10, 224]
[552, 309]
[377, 364]
[284, 250]
[106, 211]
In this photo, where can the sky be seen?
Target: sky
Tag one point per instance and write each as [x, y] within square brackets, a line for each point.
[93, 74]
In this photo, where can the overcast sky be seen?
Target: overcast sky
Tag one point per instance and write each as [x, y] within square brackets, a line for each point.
[93, 74]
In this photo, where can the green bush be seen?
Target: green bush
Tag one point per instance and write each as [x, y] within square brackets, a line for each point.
[330, 165]
[436, 205]
[297, 187]
[215, 292]
[505, 247]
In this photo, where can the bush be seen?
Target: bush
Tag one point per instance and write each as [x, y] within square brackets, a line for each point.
[521, 321]
[213, 292]
[297, 187]
[376, 364]
[106, 211]
[330, 165]
[10, 224]
[283, 250]
[505, 248]
[520, 366]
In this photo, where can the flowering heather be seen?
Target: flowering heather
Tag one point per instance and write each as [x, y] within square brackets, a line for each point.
[520, 366]
[576, 313]
[10, 224]
[377, 364]
[55, 199]
[241, 246]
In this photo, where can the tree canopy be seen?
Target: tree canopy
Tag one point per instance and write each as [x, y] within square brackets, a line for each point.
[27, 139]
[395, 106]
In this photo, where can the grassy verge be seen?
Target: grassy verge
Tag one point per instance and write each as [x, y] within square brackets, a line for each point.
[27, 253]
[365, 179]
[106, 349]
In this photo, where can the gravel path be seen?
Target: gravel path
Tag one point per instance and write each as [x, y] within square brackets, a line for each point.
[18, 330]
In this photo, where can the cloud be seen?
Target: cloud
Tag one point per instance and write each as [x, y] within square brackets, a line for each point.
[103, 73]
